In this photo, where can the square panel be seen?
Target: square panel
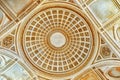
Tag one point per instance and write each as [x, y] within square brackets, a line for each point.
[18, 5]
[103, 10]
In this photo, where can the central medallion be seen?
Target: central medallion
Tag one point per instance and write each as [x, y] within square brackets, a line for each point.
[57, 39]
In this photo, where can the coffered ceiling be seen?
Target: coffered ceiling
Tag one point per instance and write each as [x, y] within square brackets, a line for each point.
[59, 40]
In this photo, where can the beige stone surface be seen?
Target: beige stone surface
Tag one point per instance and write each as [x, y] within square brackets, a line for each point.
[59, 39]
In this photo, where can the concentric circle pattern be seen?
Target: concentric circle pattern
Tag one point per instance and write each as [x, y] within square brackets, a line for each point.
[57, 40]
[49, 23]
